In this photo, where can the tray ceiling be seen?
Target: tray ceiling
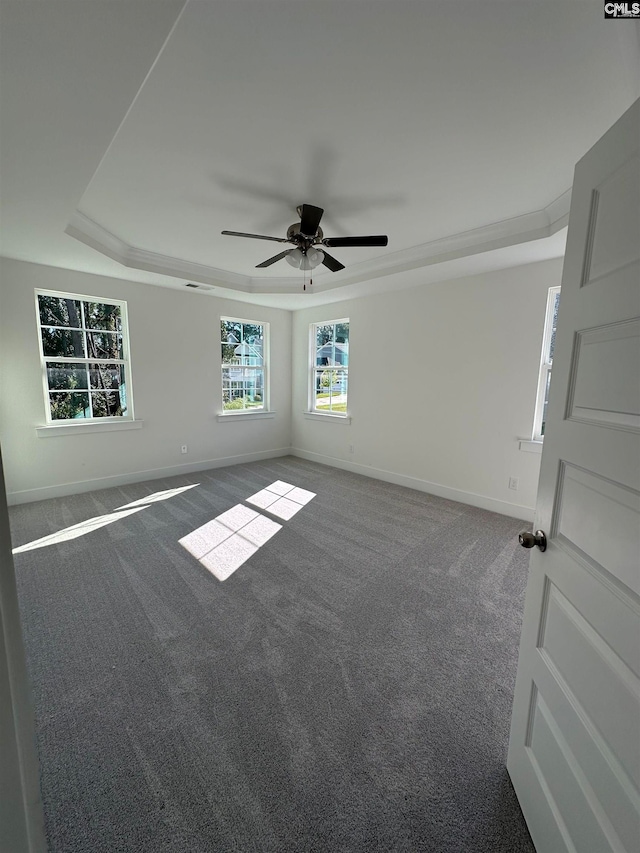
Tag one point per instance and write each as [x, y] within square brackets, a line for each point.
[453, 128]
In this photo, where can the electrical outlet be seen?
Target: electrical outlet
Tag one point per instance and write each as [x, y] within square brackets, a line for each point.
[183, 449]
[351, 448]
[513, 483]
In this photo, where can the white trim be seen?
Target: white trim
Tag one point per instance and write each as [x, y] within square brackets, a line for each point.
[94, 235]
[63, 489]
[23, 820]
[497, 235]
[74, 428]
[526, 513]
[530, 446]
[328, 417]
[243, 415]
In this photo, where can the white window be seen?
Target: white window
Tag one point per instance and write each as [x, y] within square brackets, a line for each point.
[244, 365]
[546, 362]
[85, 362]
[329, 367]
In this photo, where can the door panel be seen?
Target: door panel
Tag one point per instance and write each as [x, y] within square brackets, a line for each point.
[603, 359]
[591, 511]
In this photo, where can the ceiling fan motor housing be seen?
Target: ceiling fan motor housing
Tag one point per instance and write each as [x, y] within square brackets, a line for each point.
[295, 234]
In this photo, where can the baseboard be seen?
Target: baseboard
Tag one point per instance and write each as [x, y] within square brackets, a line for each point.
[481, 501]
[63, 489]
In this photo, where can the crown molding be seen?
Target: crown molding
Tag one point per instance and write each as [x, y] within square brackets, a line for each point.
[520, 229]
[94, 235]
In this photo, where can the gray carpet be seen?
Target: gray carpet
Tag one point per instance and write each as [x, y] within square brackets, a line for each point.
[348, 688]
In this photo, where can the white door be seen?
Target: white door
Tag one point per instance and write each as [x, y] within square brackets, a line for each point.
[574, 750]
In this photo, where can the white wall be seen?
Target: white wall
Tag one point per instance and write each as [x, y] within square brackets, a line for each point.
[442, 386]
[175, 357]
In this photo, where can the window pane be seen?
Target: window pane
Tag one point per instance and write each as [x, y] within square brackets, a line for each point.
[104, 345]
[251, 332]
[101, 315]
[324, 334]
[57, 311]
[325, 354]
[65, 406]
[106, 404]
[63, 342]
[230, 332]
[546, 401]
[66, 376]
[342, 333]
[229, 354]
[106, 376]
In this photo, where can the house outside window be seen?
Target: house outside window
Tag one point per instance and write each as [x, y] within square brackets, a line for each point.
[84, 350]
[244, 365]
[546, 362]
[329, 367]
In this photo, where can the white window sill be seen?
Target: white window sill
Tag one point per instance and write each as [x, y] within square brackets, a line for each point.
[244, 416]
[54, 430]
[531, 446]
[337, 419]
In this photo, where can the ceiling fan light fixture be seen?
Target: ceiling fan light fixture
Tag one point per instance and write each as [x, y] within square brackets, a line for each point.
[295, 258]
[313, 258]
[308, 260]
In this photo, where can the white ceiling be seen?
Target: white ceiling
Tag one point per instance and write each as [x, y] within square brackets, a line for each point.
[132, 132]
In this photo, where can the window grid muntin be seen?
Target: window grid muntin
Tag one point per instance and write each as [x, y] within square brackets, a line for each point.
[123, 392]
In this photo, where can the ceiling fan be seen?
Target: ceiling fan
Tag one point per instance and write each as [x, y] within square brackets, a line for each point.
[305, 236]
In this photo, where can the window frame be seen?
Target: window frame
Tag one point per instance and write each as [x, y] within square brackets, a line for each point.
[124, 362]
[546, 364]
[313, 369]
[265, 409]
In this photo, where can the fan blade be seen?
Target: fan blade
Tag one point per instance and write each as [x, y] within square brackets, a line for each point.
[332, 263]
[310, 217]
[377, 240]
[274, 259]
[255, 236]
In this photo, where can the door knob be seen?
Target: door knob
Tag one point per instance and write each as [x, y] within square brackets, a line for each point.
[528, 539]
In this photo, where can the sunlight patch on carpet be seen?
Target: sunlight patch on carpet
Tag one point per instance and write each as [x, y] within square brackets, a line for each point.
[223, 544]
[281, 499]
[99, 521]
[77, 530]
[159, 496]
